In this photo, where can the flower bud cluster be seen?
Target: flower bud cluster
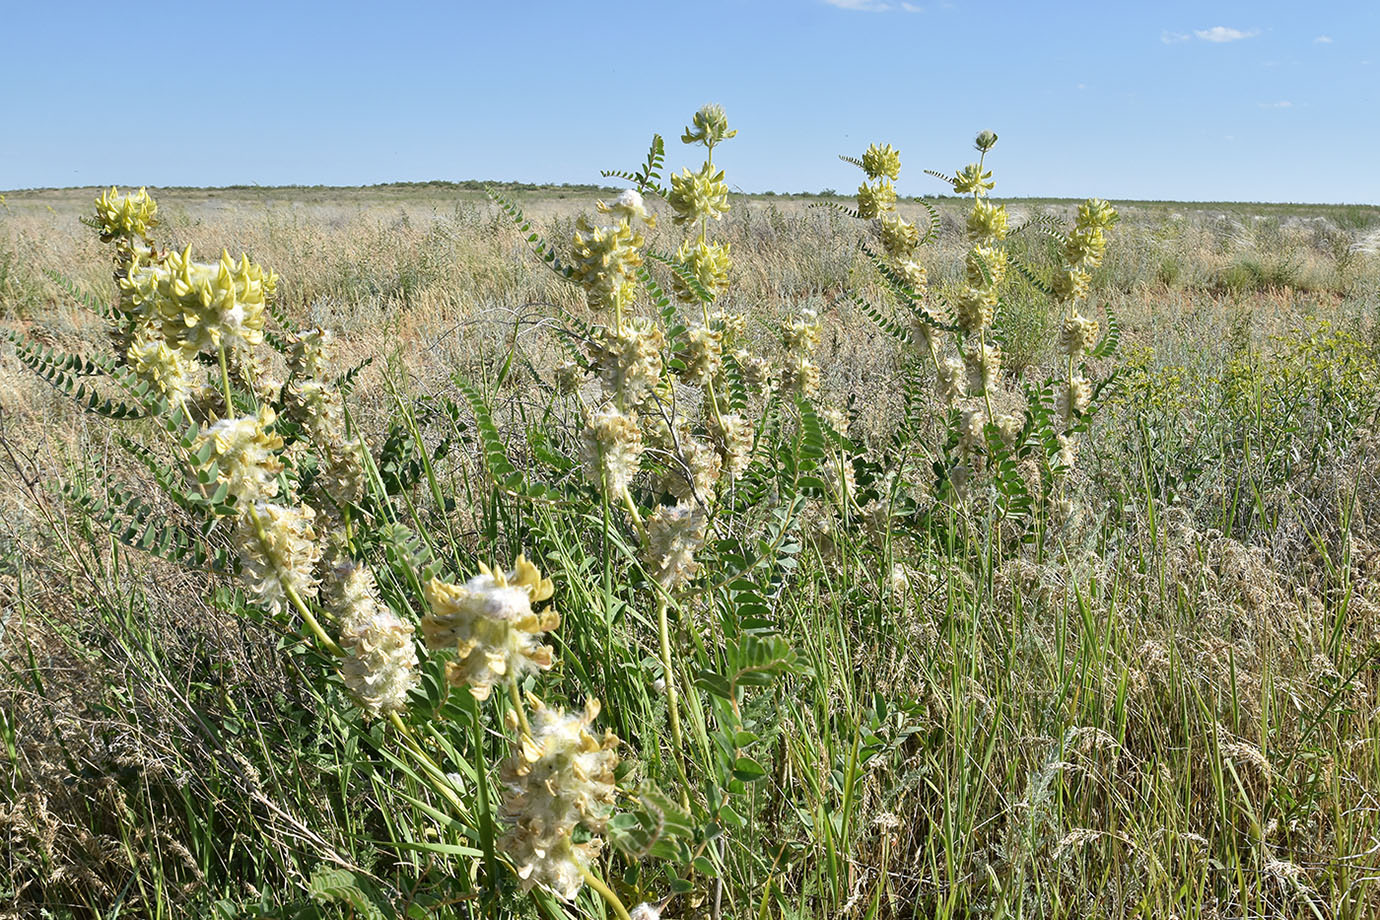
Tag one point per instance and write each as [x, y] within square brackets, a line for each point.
[801, 337]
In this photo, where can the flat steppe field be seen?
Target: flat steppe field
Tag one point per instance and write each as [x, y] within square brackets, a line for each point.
[1151, 689]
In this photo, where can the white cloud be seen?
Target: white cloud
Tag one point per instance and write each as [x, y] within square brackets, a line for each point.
[875, 6]
[861, 6]
[1282, 104]
[1323, 40]
[1170, 38]
[1223, 34]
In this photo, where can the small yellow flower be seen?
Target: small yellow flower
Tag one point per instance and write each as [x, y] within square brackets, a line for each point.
[490, 623]
[709, 264]
[875, 200]
[987, 221]
[696, 196]
[882, 161]
[973, 180]
[126, 217]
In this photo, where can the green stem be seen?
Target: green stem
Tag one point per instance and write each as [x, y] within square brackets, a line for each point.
[521, 711]
[605, 892]
[225, 384]
[672, 699]
[313, 625]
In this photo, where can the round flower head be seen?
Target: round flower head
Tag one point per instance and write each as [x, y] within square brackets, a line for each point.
[165, 368]
[971, 434]
[381, 667]
[278, 552]
[205, 306]
[604, 260]
[883, 161]
[341, 474]
[628, 206]
[708, 263]
[1085, 247]
[952, 377]
[313, 353]
[1078, 335]
[974, 308]
[985, 141]
[1067, 454]
[732, 325]
[611, 450]
[1071, 284]
[709, 127]
[757, 371]
[317, 407]
[126, 217]
[802, 334]
[490, 624]
[973, 180]
[629, 360]
[876, 200]
[674, 534]
[985, 266]
[245, 454]
[912, 273]
[697, 196]
[987, 221]
[702, 356]
[899, 237]
[569, 376]
[1074, 398]
[1095, 213]
[732, 435]
[561, 777]
[800, 375]
[983, 363]
[693, 478]
[1009, 426]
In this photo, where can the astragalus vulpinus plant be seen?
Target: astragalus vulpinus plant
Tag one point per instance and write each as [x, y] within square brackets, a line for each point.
[642, 615]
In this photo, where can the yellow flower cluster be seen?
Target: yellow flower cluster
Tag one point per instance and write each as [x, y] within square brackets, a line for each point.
[490, 624]
[605, 262]
[561, 778]
[127, 218]
[876, 199]
[245, 454]
[611, 450]
[883, 161]
[698, 196]
[381, 667]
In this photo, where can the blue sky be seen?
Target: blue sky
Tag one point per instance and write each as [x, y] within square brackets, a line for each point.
[1187, 100]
